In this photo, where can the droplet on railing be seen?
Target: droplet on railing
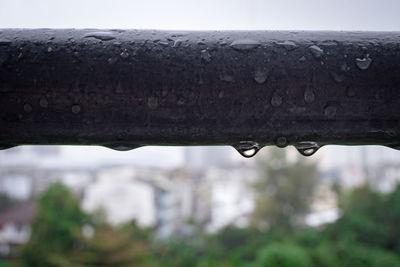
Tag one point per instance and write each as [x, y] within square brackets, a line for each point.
[226, 77]
[205, 55]
[152, 102]
[309, 96]
[103, 36]
[247, 148]
[28, 108]
[288, 45]
[338, 77]
[260, 76]
[316, 51]
[276, 100]
[281, 141]
[363, 63]
[244, 44]
[307, 148]
[330, 111]
[122, 147]
[76, 109]
[124, 54]
[43, 102]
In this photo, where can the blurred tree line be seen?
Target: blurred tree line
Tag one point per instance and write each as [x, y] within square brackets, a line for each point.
[366, 234]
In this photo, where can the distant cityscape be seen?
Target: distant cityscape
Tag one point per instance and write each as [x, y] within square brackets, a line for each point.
[205, 185]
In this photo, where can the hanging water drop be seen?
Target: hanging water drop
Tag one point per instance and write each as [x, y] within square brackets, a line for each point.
[247, 148]
[122, 147]
[244, 44]
[307, 148]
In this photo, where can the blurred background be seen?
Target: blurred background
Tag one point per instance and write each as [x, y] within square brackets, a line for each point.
[200, 206]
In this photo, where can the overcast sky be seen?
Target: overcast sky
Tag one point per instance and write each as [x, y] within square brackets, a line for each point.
[206, 14]
[195, 15]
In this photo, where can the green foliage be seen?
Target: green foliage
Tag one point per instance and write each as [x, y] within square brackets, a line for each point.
[57, 217]
[282, 255]
[367, 234]
[283, 191]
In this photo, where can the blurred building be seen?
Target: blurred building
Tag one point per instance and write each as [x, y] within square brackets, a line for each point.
[15, 226]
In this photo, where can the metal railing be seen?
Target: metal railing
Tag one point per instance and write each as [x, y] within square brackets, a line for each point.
[128, 88]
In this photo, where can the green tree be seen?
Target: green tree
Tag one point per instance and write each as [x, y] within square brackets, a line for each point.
[53, 230]
[283, 255]
[283, 191]
[106, 246]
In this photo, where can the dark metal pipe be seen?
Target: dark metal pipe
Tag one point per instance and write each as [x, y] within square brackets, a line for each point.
[128, 88]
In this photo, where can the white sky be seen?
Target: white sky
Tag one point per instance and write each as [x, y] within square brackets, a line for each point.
[195, 15]
[206, 14]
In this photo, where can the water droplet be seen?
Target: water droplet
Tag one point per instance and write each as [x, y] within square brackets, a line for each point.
[307, 148]
[309, 96]
[164, 43]
[205, 55]
[43, 103]
[76, 109]
[330, 111]
[302, 59]
[281, 141]
[288, 45]
[122, 147]
[344, 67]
[27, 108]
[276, 100]
[181, 101]
[104, 36]
[224, 76]
[221, 94]
[363, 63]
[112, 60]
[244, 44]
[247, 148]
[152, 102]
[260, 76]
[124, 54]
[338, 77]
[177, 43]
[316, 51]
[201, 43]
[49, 49]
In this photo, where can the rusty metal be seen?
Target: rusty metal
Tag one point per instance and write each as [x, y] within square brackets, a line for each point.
[128, 88]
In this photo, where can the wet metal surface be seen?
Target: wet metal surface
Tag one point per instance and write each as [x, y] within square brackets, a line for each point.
[129, 88]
